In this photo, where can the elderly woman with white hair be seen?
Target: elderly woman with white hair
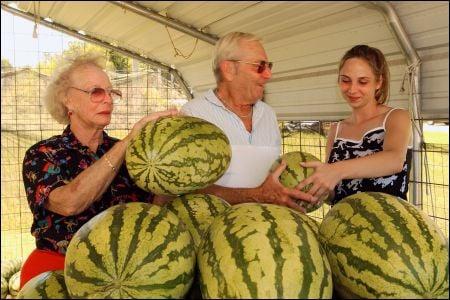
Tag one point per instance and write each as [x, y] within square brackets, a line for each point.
[70, 178]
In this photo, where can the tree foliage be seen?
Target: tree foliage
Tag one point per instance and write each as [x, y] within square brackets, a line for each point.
[114, 61]
[6, 65]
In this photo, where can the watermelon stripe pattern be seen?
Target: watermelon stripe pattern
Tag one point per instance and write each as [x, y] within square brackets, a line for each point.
[48, 285]
[197, 211]
[177, 155]
[132, 250]
[294, 173]
[262, 251]
[380, 246]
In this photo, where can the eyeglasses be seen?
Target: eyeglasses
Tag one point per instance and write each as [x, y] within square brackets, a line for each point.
[98, 94]
[262, 65]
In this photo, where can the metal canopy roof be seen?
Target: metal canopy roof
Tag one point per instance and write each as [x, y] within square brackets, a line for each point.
[304, 39]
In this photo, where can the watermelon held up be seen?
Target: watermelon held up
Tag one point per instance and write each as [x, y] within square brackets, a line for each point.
[380, 246]
[255, 250]
[177, 155]
[47, 285]
[294, 173]
[133, 250]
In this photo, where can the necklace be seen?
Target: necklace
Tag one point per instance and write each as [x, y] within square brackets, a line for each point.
[249, 115]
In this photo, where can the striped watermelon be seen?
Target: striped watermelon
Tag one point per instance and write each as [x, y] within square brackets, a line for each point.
[177, 155]
[14, 284]
[133, 250]
[294, 173]
[10, 267]
[312, 223]
[197, 211]
[47, 285]
[257, 250]
[380, 246]
[5, 288]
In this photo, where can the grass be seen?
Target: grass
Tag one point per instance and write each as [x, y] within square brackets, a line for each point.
[17, 241]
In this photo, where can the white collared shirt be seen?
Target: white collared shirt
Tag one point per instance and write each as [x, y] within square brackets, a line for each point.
[252, 152]
[265, 131]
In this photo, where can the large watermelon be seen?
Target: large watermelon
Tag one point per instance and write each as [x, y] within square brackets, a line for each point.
[5, 288]
[380, 246]
[312, 223]
[47, 285]
[14, 284]
[133, 250]
[294, 173]
[177, 155]
[197, 211]
[257, 250]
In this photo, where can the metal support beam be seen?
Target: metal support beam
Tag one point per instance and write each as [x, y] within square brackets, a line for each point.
[101, 43]
[177, 25]
[413, 59]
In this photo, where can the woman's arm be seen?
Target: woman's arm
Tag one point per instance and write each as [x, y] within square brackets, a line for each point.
[386, 162]
[86, 188]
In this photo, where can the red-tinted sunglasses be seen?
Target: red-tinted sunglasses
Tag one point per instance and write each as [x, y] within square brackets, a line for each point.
[262, 65]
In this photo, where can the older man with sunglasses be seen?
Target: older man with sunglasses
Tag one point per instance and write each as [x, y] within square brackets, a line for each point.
[241, 69]
[70, 178]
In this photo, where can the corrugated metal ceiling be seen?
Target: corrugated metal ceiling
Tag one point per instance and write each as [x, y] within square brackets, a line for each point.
[304, 39]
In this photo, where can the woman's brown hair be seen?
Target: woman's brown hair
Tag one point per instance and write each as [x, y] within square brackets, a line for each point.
[376, 60]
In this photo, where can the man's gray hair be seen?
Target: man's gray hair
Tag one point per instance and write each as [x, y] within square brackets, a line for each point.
[227, 47]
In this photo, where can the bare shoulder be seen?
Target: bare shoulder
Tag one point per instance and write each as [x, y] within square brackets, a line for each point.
[399, 120]
[399, 115]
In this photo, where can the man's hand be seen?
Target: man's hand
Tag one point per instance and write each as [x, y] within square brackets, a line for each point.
[272, 191]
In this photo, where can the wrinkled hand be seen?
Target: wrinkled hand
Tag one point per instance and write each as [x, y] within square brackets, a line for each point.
[272, 191]
[323, 180]
[153, 116]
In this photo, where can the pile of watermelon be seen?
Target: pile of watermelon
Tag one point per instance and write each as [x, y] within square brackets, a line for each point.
[369, 245]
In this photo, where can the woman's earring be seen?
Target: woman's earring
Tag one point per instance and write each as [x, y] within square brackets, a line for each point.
[70, 113]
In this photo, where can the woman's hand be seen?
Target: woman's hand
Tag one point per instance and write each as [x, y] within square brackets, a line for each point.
[153, 116]
[324, 179]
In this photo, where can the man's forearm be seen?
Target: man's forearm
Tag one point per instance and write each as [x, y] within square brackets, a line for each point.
[232, 195]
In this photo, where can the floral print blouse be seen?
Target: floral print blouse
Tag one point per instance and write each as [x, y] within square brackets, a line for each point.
[55, 162]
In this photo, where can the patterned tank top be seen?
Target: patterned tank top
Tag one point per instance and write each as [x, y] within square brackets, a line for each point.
[372, 142]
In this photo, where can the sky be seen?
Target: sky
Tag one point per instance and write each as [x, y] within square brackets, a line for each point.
[19, 46]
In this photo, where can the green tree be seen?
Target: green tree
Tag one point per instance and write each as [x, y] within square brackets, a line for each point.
[114, 60]
[121, 63]
[6, 65]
